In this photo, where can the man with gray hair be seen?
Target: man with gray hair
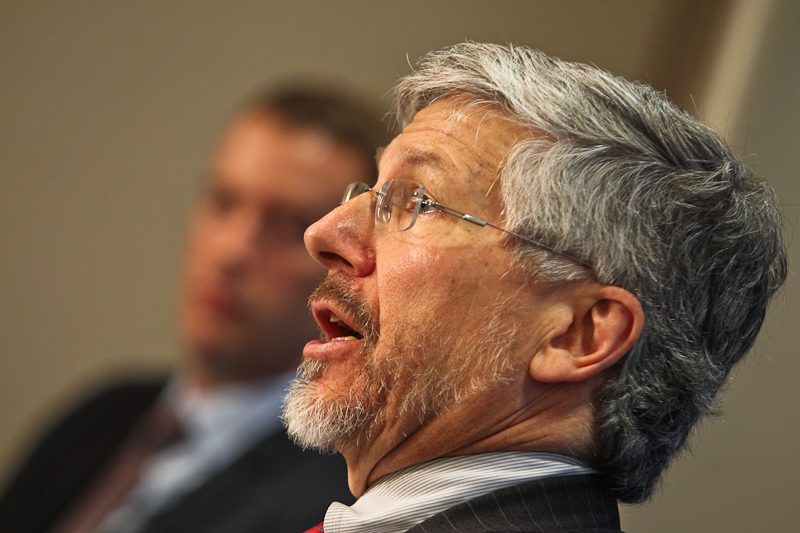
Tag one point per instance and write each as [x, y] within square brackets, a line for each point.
[525, 317]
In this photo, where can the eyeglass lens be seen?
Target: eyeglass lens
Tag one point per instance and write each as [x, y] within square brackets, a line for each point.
[354, 189]
[398, 202]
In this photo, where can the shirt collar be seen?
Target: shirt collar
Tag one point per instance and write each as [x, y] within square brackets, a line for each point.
[227, 410]
[403, 499]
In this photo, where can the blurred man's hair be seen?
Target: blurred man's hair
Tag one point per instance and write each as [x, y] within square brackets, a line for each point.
[334, 111]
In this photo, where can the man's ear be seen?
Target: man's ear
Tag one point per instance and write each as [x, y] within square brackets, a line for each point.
[593, 329]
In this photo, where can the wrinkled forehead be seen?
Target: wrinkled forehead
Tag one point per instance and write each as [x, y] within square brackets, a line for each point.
[485, 129]
[460, 137]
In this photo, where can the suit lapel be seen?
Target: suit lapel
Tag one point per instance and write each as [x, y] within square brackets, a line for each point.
[260, 492]
[565, 503]
[71, 455]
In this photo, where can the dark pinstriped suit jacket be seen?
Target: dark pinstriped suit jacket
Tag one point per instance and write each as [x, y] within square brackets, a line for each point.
[275, 486]
[565, 504]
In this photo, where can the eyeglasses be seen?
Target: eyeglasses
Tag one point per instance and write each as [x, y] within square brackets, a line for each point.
[400, 201]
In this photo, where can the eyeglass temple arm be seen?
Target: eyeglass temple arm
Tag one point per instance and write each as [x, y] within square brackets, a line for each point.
[479, 222]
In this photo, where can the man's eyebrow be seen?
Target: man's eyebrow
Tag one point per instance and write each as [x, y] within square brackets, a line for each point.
[422, 157]
[417, 156]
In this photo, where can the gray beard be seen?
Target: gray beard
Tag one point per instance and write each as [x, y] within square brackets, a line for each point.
[323, 425]
[425, 386]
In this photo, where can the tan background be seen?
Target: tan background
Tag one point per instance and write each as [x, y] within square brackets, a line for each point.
[108, 111]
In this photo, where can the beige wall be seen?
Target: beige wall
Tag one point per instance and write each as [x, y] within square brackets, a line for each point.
[107, 112]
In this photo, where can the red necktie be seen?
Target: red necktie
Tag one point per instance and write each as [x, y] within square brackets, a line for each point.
[317, 529]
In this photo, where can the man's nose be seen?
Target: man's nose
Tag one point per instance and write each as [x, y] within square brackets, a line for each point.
[342, 239]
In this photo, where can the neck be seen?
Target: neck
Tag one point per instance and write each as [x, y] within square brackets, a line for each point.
[527, 416]
[204, 372]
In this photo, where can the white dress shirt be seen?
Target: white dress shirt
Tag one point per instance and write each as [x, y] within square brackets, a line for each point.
[403, 499]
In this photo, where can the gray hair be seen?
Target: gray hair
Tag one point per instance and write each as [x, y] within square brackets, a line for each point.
[622, 180]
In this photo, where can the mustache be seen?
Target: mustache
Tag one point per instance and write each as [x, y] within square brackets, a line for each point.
[337, 289]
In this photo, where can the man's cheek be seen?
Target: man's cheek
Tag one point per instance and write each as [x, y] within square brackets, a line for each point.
[416, 276]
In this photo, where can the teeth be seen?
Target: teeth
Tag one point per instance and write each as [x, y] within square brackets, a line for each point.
[336, 319]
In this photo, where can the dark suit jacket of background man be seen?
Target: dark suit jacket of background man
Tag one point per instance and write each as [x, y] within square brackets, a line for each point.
[575, 504]
[275, 486]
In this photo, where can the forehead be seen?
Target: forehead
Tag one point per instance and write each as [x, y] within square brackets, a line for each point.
[454, 144]
[263, 155]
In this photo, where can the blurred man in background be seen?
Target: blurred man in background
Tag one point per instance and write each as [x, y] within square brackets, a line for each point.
[205, 451]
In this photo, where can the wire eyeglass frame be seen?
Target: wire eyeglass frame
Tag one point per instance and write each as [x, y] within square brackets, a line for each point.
[400, 201]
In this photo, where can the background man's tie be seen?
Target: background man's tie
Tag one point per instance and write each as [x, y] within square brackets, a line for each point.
[156, 429]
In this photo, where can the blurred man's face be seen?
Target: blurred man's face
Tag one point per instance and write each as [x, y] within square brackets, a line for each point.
[416, 320]
[247, 275]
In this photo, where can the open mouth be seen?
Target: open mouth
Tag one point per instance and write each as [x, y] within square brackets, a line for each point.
[334, 327]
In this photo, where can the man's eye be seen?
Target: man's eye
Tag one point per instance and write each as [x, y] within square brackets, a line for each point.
[411, 203]
[427, 205]
[221, 201]
[286, 229]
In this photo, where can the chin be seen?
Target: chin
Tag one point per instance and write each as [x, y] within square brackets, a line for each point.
[316, 417]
